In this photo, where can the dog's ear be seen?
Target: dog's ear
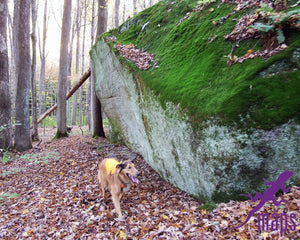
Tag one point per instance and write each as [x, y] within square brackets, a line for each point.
[121, 166]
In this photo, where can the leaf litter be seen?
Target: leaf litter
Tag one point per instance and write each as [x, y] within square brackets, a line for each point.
[59, 198]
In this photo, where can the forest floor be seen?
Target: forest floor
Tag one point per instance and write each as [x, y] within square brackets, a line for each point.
[51, 192]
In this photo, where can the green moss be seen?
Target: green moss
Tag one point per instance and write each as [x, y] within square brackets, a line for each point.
[193, 70]
[115, 134]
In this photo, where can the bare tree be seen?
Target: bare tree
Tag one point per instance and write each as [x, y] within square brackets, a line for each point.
[11, 59]
[15, 52]
[42, 48]
[22, 134]
[74, 32]
[117, 12]
[124, 12]
[134, 7]
[92, 75]
[5, 109]
[35, 133]
[78, 27]
[63, 70]
[82, 62]
[97, 121]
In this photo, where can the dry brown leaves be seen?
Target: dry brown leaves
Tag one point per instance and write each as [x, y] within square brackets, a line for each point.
[242, 30]
[51, 192]
[243, 4]
[267, 53]
[131, 53]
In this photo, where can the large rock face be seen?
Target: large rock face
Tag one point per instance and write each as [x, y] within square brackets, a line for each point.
[210, 161]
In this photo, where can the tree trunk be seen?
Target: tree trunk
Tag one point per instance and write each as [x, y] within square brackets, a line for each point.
[11, 64]
[35, 134]
[77, 23]
[80, 107]
[134, 7]
[70, 71]
[97, 122]
[82, 63]
[5, 107]
[15, 53]
[22, 134]
[89, 95]
[117, 11]
[74, 109]
[63, 71]
[124, 12]
[42, 87]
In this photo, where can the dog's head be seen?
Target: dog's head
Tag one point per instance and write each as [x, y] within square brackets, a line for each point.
[127, 172]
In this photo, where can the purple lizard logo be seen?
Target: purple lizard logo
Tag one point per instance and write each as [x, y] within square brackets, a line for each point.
[269, 194]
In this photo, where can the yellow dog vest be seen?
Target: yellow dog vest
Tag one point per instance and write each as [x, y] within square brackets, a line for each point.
[111, 166]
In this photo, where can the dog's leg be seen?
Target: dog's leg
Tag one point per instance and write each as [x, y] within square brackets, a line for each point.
[104, 185]
[116, 201]
[102, 182]
[103, 191]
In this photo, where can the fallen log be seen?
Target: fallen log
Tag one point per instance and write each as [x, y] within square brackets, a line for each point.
[84, 77]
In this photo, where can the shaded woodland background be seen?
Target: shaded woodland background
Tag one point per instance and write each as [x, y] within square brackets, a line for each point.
[45, 50]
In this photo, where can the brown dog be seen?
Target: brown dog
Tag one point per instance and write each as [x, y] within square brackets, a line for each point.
[118, 177]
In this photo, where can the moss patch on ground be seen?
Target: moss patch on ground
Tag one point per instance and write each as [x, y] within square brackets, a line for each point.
[193, 72]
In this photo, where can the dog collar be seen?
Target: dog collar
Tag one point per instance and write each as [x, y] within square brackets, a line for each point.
[121, 185]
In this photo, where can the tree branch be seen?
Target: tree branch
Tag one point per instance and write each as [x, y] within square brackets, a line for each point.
[84, 77]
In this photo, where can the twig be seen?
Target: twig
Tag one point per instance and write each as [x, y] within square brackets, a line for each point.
[81, 130]
[39, 143]
[296, 4]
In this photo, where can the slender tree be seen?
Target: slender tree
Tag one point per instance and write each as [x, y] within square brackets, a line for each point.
[82, 62]
[124, 12]
[134, 7]
[5, 109]
[74, 32]
[97, 121]
[117, 12]
[15, 53]
[78, 28]
[63, 70]
[92, 75]
[35, 133]
[22, 134]
[42, 47]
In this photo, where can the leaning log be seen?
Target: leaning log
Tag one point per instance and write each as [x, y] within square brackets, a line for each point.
[84, 77]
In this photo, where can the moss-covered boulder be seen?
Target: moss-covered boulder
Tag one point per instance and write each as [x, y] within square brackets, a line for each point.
[218, 108]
